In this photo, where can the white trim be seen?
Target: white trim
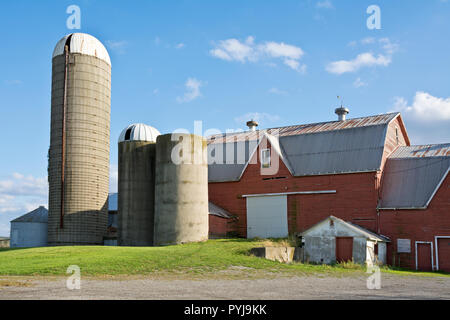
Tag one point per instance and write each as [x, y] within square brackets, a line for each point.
[287, 193]
[262, 158]
[437, 251]
[432, 251]
[265, 135]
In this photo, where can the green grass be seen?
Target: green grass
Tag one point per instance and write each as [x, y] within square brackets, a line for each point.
[210, 257]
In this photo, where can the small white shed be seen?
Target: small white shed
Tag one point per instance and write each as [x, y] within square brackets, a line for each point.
[30, 230]
[335, 240]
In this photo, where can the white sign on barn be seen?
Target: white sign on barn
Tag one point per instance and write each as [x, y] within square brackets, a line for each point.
[403, 245]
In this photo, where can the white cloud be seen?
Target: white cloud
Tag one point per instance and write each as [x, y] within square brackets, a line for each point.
[366, 59]
[257, 116]
[368, 40]
[427, 119]
[117, 46]
[249, 51]
[425, 107]
[359, 83]
[180, 46]
[192, 90]
[13, 82]
[277, 91]
[113, 178]
[325, 4]
[388, 45]
[20, 194]
[20, 185]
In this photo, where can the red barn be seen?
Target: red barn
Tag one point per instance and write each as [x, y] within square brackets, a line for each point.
[282, 181]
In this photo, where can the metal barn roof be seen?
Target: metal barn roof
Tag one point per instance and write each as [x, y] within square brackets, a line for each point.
[354, 145]
[413, 175]
[83, 43]
[38, 215]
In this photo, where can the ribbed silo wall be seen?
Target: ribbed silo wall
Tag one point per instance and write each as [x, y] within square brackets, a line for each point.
[181, 190]
[87, 151]
[136, 198]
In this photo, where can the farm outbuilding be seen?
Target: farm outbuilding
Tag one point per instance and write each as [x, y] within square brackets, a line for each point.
[30, 230]
[335, 240]
[4, 242]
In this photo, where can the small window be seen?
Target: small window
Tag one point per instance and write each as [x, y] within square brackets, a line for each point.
[396, 134]
[265, 158]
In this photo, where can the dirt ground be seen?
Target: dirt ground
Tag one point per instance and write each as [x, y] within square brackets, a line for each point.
[271, 288]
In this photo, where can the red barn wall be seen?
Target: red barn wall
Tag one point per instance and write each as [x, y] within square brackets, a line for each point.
[418, 225]
[355, 199]
[220, 227]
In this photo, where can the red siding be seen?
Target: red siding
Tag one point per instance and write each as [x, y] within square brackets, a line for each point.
[220, 227]
[355, 199]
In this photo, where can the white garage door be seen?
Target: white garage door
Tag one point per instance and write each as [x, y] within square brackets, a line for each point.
[267, 217]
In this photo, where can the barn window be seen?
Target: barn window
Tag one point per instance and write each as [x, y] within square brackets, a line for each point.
[265, 158]
[396, 134]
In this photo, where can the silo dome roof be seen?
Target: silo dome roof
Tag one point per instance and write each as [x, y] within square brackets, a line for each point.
[139, 132]
[82, 43]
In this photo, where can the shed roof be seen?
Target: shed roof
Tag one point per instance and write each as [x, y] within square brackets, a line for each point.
[358, 229]
[354, 145]
[413, 175]
[218, 211]
[38, 215]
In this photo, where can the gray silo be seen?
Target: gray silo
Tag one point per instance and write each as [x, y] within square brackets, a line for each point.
[181, 190]
[137, 155]
[78, 171]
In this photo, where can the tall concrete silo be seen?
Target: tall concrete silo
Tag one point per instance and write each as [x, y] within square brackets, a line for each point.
[181, 189]
[78, 171]
[137, 156]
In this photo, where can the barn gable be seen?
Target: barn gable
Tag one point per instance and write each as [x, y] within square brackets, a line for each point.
[336, 147]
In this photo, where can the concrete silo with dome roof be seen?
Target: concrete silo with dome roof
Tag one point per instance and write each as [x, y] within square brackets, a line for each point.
[136, 181]
[78, 171]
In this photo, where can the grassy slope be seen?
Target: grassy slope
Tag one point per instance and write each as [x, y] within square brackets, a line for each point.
[194, 258]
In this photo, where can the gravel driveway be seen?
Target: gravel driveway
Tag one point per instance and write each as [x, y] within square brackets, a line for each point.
[304, 287]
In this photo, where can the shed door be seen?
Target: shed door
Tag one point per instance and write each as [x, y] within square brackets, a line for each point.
[424, 257]
[444, 254]
[344, 249]
[267, 217]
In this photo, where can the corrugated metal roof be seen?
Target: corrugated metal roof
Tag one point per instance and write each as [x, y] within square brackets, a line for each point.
[38, 215]
[139, 132]
[218, 211]
[83, 43]
[429, 150]
[410, 180]
[342, 151]
[316, 149]
[382, 119]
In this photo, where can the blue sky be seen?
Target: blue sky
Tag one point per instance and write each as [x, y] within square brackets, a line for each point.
[222, 62]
